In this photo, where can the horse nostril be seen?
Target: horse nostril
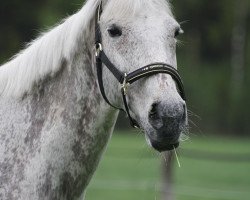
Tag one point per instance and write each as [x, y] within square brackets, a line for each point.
[153, 113]
[167, 116]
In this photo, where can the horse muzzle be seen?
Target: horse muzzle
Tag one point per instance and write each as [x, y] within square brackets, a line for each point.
[167, 122]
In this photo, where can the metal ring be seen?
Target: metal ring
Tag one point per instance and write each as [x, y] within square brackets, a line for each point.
[98, 49]
[125, 84]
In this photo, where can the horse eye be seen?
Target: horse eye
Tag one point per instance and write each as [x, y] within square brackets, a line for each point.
[178, 31]
[115, 31]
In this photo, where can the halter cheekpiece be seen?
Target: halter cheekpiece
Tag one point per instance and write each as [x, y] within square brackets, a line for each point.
[125, 79]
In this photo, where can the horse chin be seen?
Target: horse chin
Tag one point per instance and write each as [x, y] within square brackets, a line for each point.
[162, 145]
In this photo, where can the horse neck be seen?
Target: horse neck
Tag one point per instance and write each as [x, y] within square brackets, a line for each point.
[64, 122]
[87, 119]
[67, 118]
[58, 67]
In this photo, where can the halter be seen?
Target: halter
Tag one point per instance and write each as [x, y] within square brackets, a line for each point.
[126, 79]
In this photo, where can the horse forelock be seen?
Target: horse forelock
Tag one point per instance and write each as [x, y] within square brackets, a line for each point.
[123, 9]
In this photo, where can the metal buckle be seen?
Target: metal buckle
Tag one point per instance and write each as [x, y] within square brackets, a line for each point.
[98, 49]
[125, 84]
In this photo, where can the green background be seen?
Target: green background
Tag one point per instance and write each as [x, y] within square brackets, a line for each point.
[130, 170]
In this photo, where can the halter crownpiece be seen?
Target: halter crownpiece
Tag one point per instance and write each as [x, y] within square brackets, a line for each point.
[126, 79]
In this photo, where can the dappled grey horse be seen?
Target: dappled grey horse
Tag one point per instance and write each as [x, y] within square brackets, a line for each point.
[55, 117]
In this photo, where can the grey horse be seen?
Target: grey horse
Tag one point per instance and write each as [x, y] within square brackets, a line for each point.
[54, 122]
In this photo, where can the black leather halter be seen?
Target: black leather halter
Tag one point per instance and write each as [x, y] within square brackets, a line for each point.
[126, 79]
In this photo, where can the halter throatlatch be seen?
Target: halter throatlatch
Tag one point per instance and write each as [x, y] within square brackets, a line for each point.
[125, 79]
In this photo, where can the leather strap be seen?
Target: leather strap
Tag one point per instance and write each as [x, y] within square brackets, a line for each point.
[156, 68]
[100, 82]
[116, 72]
[133, 123]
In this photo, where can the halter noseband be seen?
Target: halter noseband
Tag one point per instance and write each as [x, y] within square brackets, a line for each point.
[126, 79]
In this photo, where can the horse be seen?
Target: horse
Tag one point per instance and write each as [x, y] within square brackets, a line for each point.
[55, 117]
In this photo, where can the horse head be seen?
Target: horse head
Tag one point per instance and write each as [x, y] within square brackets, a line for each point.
[129, 37]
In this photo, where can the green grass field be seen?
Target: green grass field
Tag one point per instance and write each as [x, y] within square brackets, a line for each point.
[211, 169]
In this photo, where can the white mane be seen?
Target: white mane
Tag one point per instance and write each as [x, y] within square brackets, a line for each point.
[44, 56]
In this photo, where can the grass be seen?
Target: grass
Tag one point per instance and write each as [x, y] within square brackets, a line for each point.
[131, 170]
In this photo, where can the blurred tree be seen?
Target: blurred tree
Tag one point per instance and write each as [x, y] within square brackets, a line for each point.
[18, 20]
[206, 57]
[239, 43]
[21, 21]
[238, 65]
